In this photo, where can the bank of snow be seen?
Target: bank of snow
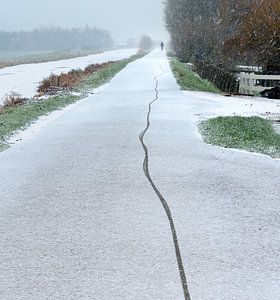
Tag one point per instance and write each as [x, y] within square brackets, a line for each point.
[210, 105]
[24, 79]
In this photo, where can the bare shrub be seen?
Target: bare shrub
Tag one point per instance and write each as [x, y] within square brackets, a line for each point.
[68, 81]
[145, 43]
[62, 82]
[95, 67]
[13, 99]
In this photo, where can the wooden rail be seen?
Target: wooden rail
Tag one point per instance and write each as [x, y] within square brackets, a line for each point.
[252, 84]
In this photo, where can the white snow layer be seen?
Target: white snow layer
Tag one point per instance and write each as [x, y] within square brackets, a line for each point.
[24, 79]
[213, 105]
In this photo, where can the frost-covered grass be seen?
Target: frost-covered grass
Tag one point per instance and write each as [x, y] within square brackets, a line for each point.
[11, 59]
[18, 117]
[252, 134]
[190, 81]
[102, 76]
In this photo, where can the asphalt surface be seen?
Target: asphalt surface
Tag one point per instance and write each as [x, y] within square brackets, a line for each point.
[80, 219]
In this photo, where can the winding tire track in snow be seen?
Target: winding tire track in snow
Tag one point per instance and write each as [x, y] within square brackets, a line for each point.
[162, 199]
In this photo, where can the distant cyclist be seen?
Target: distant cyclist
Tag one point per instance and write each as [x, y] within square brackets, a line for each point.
[162, 46]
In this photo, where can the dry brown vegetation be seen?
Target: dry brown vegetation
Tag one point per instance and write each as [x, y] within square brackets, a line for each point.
[12, 99]
[258, 32]
[56, 83]
[68, 81]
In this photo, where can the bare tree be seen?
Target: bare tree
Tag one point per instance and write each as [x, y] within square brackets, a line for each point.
[146, 43]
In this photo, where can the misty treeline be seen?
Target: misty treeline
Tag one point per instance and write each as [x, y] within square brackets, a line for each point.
[146, 43]
[56, 39]
[225, 32]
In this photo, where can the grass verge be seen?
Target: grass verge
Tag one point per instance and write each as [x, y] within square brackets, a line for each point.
[104, 75]
[190, 81]
[42, 57]
[16, 117]
[13, 118]
[253, 134]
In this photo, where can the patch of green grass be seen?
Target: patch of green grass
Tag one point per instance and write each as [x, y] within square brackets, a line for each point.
[104, 75]
[252, 134]
[18, 117]
[3, 146]
[190, 81]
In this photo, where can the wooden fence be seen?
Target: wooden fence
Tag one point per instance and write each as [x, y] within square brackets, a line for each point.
[252, 84]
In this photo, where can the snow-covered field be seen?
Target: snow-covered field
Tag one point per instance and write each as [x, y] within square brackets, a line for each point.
[24, 79]
[212, 105]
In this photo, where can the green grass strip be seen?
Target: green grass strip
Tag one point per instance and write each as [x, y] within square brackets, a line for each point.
[43, 57]
[252, 134]
[190, 81]
[104, 75]
[19, 117]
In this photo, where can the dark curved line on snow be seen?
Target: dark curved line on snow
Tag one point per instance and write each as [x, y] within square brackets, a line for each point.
[162, 199]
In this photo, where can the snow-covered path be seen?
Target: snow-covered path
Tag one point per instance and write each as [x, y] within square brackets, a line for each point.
[79, 220]
[24, 79]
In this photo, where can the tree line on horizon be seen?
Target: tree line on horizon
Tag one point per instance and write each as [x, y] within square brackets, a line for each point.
[225, 32]
[56, 39]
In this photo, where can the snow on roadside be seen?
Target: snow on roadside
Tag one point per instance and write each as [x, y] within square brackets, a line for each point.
[211, 105]
[24, 79]
[35, 127]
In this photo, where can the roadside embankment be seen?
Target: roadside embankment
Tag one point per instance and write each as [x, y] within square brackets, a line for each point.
[188, 80]
[19, 115]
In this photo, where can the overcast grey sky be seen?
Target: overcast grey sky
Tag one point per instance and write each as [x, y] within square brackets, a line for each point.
[123, 18]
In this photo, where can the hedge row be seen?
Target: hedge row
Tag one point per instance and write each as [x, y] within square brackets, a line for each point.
[223, 79]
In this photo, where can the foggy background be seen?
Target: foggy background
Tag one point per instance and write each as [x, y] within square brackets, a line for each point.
[123, 18]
